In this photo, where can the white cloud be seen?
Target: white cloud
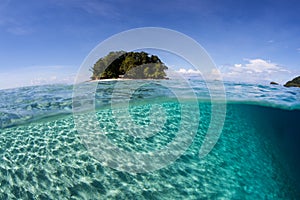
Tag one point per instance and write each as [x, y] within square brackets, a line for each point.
[255, 70]
[263, 66]
[251, 70]
[213, 74]
[188, 71]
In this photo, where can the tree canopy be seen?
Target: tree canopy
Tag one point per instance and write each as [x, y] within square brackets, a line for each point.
[134, 65]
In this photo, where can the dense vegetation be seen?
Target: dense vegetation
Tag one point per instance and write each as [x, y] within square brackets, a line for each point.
[134, 65]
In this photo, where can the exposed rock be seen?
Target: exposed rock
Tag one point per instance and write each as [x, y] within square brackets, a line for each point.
[274, 83]
[293, 83]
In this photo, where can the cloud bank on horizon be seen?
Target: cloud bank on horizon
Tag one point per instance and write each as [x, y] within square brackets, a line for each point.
[257, 70]
[252, 70]
[36, 75]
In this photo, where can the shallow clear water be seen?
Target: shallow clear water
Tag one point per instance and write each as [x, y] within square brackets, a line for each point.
[256, 156]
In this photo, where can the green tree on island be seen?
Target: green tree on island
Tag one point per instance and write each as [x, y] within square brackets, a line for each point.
[134, 65]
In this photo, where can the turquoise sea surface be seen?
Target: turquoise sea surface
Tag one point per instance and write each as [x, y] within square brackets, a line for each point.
[43, 156]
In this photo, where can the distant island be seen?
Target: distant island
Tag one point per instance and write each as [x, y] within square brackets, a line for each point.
[273, 83]
[131, 65]
[293, 83]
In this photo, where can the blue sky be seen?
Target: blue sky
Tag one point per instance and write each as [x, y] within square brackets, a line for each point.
[46, 41]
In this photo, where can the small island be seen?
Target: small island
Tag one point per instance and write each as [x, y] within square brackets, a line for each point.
[293, 83]
[131, 65]
[273, 83]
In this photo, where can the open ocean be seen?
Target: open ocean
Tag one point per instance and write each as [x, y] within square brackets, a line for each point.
[42, 155]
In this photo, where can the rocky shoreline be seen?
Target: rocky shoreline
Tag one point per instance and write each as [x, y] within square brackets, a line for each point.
[293, 83]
